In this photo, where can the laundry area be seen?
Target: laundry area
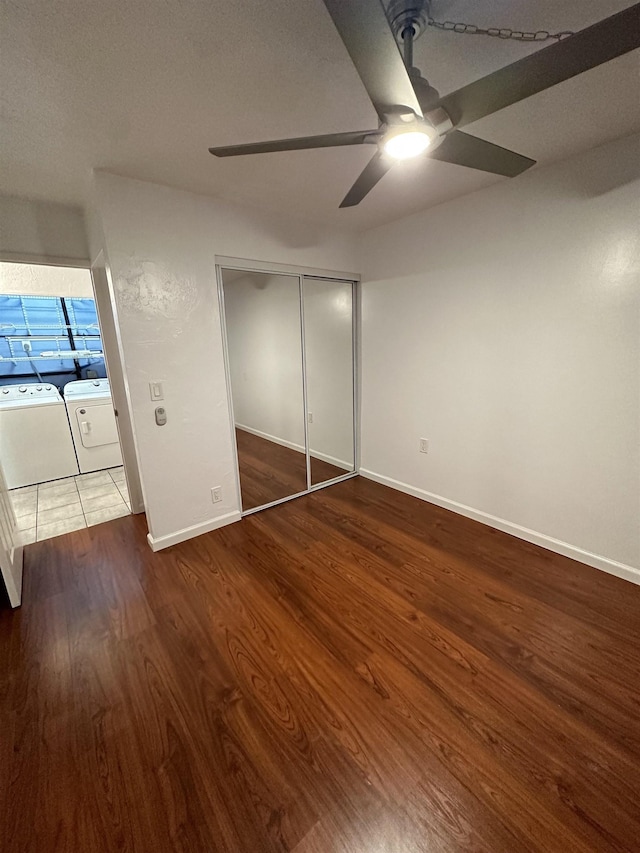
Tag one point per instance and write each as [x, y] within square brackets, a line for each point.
[60, 453]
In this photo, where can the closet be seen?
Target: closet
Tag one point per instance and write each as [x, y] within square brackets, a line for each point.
[290, 354]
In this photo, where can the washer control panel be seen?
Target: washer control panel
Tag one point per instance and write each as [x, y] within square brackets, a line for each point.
[21, 392]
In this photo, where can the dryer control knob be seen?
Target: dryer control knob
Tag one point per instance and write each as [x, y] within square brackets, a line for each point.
[22, 389]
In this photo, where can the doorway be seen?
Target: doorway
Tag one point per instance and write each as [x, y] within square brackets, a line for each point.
[291, 367]
[59, 441]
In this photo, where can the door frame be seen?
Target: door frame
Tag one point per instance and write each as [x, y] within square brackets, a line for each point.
[111, 357]
[11, 548]
[246, 265]
[115, 365]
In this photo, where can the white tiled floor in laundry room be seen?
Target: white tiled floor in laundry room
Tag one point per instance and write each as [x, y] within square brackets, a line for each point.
[61, 506]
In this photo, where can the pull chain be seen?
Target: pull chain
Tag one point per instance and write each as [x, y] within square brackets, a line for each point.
[497, 32]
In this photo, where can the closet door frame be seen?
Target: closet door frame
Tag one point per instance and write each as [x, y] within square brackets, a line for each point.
[222, 263]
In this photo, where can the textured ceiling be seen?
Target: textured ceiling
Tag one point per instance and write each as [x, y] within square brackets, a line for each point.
[142, 88]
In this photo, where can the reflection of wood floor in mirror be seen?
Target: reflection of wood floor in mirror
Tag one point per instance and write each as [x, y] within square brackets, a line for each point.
[269, 471]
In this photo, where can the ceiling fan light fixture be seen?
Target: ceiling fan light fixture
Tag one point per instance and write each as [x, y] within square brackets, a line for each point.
[403, 143]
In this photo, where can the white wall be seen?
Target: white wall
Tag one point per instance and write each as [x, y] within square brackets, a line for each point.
[41, 231]
[504, 327]
[161, 246]
[41, 280]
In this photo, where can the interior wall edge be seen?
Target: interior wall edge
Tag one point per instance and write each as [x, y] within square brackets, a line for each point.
[117, 371]
[193, 531]
[108, 317]
[612, 567]
[44, 260]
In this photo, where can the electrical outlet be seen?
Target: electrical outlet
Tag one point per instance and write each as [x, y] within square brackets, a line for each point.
[424, 445]
[216, 494]
[310, 417]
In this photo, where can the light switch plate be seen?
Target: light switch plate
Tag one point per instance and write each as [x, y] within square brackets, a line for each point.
[155, 391]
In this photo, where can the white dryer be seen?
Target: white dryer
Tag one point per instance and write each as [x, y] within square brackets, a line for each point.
[93, 424]
[35, 442]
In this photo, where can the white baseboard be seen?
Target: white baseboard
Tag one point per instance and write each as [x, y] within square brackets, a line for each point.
[324, 457]
[620, 570]
[193, 531]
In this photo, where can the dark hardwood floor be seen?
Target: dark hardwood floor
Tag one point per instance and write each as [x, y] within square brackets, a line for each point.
[269, 471]
[351, 672]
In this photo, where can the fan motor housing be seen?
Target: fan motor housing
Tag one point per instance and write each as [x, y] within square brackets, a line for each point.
[408, 13]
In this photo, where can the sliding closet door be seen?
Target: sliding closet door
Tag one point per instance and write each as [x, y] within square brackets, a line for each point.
[264, 345]
[328, 343]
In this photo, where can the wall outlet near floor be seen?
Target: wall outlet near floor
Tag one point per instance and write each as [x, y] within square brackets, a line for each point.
[424, 445]
[216, 494]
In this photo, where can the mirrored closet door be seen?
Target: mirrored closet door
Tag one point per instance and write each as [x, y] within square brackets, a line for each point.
[328, 345]
[264, 347]
[290, 361]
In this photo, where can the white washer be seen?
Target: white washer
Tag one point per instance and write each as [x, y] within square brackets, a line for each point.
[35, 442]
[93, 424]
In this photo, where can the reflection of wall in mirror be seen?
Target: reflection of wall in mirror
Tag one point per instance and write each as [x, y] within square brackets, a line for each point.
[265, 354]
[329, 356]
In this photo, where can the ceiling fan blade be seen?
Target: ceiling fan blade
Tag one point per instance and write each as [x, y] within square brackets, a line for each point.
[586, 49]
[327, 140]
[375, 169]
[466, 150]
[365, 30]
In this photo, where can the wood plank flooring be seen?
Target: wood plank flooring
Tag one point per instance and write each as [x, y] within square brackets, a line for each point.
[269, 471]
[352, 672]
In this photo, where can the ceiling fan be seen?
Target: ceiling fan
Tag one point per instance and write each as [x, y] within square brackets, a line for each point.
[413, 118]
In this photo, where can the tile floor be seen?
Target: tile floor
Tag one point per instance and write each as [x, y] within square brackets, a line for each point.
[60, 506]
